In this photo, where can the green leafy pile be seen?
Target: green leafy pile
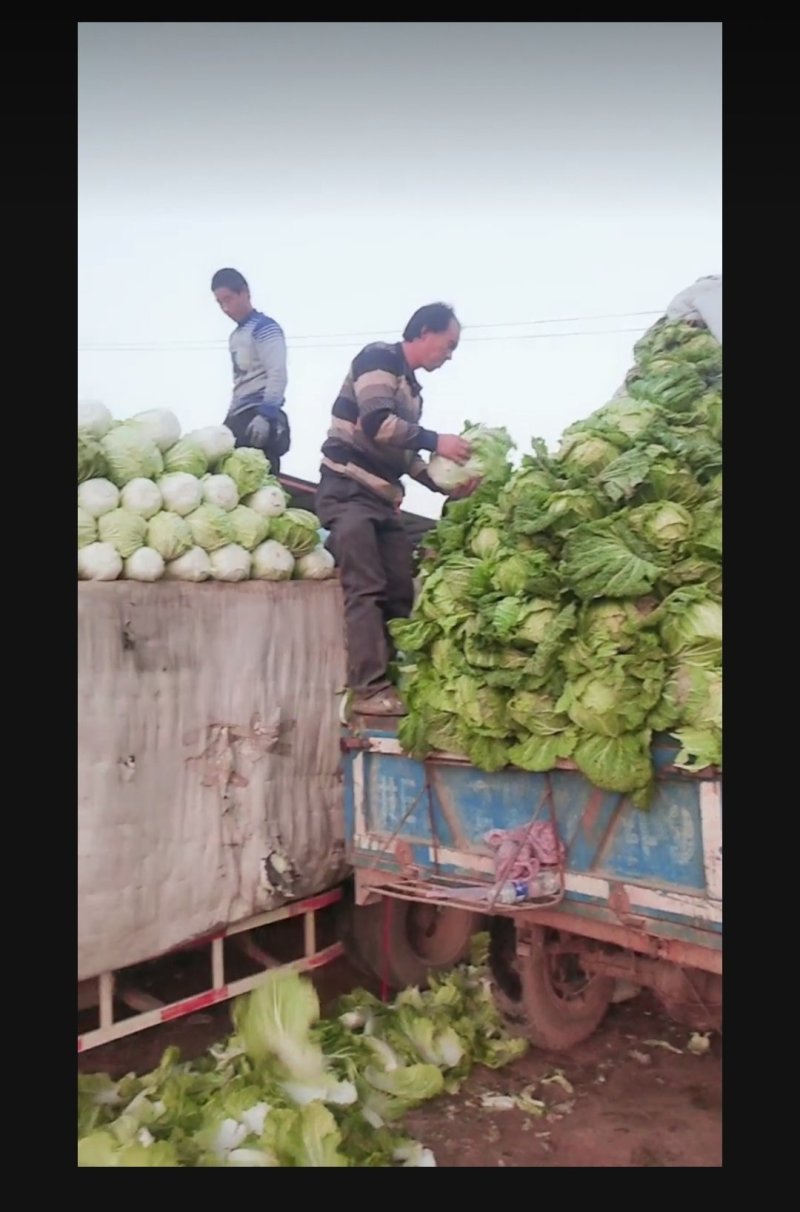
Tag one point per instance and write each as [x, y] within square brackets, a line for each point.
[573, 607]
[289, 1090]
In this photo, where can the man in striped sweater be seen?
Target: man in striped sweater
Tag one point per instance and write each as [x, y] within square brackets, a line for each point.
[375, 438]
[256, 416]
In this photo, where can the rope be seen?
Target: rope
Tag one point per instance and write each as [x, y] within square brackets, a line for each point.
[387, 922]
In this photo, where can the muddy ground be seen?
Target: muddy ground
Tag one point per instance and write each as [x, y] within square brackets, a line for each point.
[623, 1098]
[632, 1102]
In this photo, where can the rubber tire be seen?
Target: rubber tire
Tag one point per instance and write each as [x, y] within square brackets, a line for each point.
[527, 1001]
[352, 935]
[391, 956]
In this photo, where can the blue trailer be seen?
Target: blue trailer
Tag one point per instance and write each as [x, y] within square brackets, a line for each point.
[635, 901]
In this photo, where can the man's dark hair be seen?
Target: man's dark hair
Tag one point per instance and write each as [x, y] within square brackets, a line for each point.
[229, 279]
[435, 317]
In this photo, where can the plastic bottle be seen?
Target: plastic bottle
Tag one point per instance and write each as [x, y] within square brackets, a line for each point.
[512, 892]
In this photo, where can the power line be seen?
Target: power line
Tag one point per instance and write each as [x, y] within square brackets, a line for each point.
[525, 336]
[329, 338]
[546, 336]
[624, 315]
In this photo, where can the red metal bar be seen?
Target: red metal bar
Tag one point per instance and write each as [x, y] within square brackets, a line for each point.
[190, 1005]
[108, 1032]
[321, 901]
[334, 952]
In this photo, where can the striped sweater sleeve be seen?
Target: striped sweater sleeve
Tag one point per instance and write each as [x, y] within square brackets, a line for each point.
[271, 348]
[419, 472]
[376, 376]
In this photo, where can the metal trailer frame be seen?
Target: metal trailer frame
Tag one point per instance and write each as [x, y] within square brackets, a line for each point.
[646, 931]
[151, 1012]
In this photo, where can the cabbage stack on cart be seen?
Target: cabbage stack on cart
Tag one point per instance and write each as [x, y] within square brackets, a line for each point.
[559, 768]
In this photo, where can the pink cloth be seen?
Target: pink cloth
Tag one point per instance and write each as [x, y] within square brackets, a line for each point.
[520, 853]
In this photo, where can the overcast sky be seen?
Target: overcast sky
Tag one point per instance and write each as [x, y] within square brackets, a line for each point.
[555, 172]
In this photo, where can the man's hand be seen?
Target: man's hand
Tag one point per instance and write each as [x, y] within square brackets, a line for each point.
[466, 490]
[259, 432]
[450, 446]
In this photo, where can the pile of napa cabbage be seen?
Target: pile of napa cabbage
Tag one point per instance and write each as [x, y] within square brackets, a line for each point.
[572, 607]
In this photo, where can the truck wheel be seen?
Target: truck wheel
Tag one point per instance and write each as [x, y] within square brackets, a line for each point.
[417, 939]
[546, 997]
[351, 935]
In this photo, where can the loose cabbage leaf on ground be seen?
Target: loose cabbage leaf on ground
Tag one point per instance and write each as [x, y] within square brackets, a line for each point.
[289, 1089]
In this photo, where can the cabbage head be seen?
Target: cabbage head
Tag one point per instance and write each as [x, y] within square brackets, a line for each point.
[247, 467]
[249, 528]
[125, 531]
[296, 529]
[87, 528]
[91, 459]
[188, 457]
[210, 527]
[169, 535]
[488, 460]
[193, 565]
[98, 497]
[221, 491]
[160, 425]
[230, 563]
[130, 453]
[99, 562]
[272, 562]
[318, 565]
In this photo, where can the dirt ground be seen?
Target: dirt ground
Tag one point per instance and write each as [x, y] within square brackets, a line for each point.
[632, 1102]
[623, 1098]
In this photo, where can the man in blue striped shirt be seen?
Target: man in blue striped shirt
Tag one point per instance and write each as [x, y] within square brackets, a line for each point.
[256, 416]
